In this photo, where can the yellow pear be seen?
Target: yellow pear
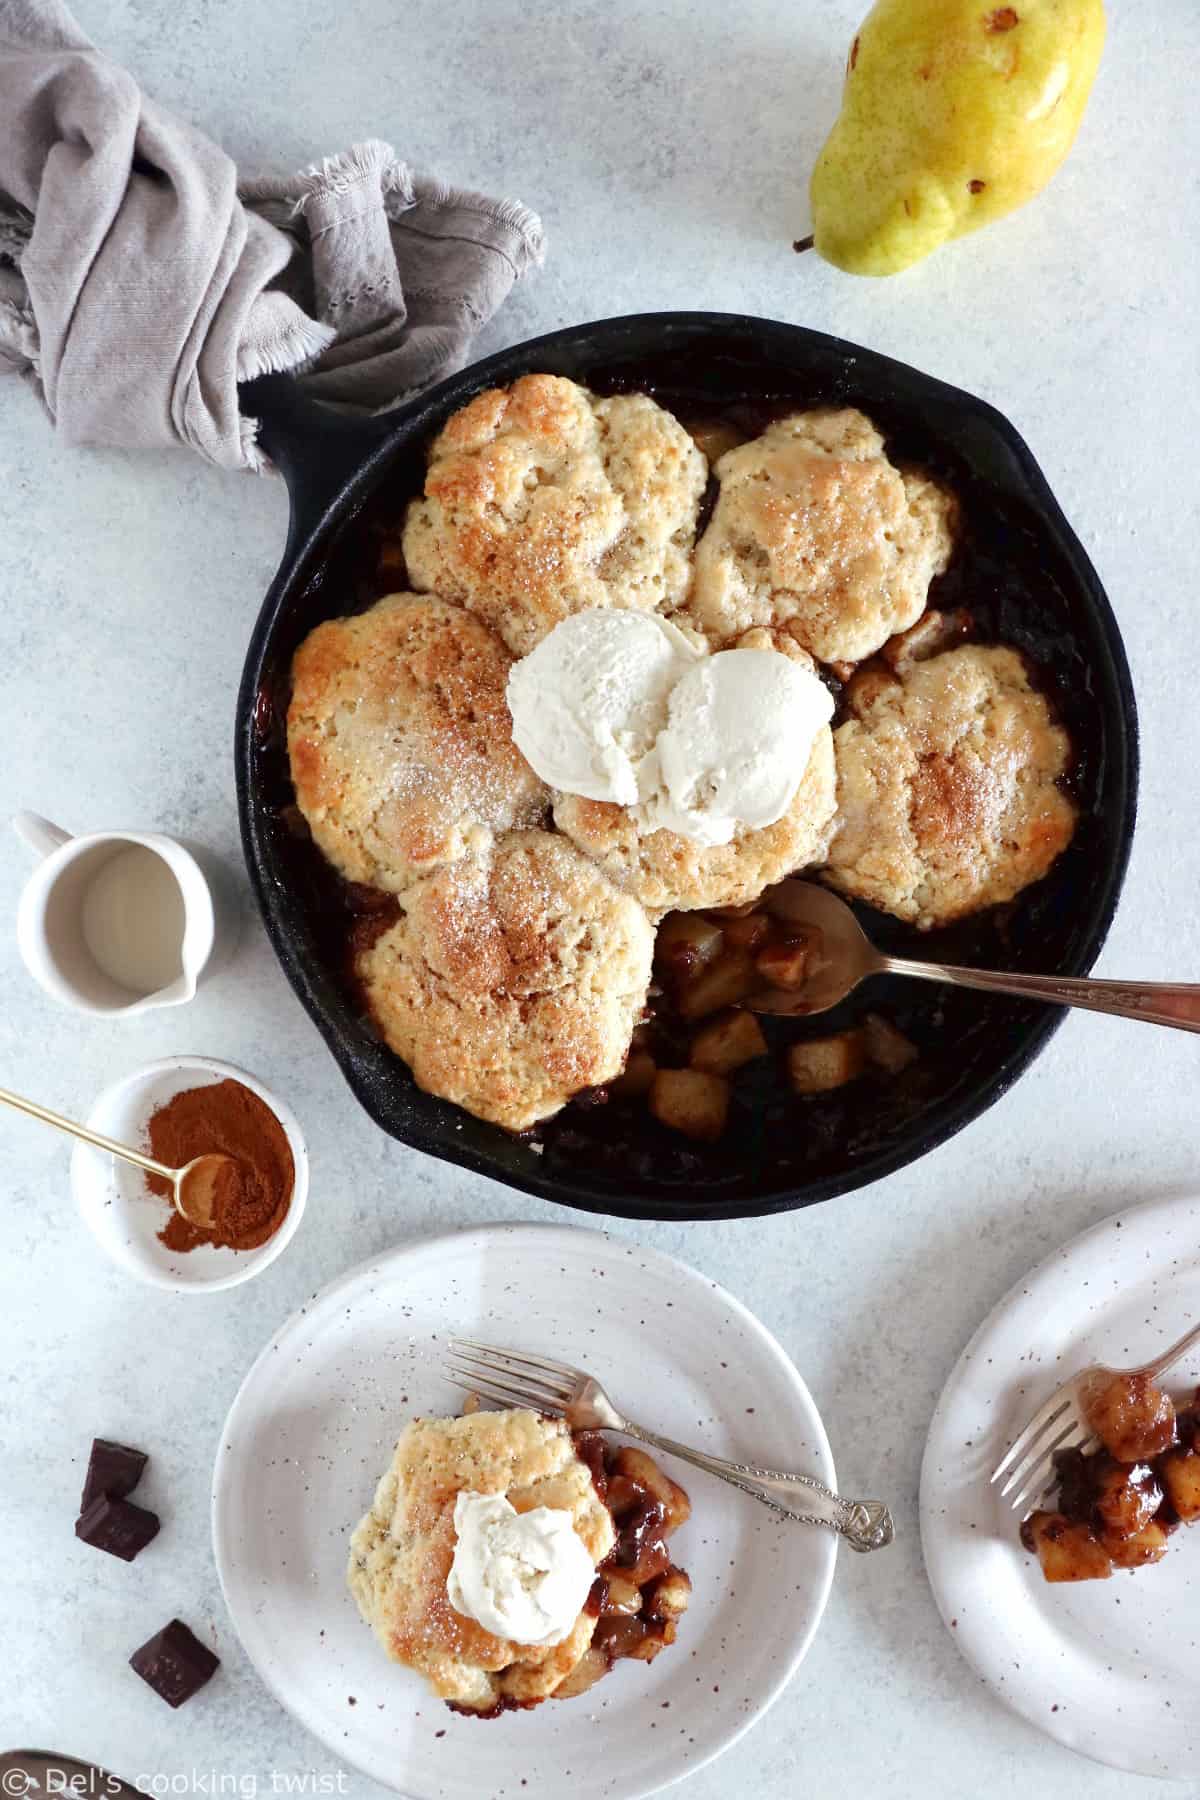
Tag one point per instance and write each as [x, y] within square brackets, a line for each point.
[954, 113]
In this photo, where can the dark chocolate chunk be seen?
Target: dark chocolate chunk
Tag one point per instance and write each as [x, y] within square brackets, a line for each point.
[175, 1663]
[117, 1526]
[112, 1469]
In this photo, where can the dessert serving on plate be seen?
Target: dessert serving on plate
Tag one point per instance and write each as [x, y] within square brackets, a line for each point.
[1118, 1504]
[370, 1360]
[509, 1561]
[630, 676]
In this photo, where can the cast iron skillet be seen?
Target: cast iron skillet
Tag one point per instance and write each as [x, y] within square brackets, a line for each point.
[1027, 581]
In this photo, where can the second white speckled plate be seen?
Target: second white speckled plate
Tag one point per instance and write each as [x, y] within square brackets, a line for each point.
[313, 1427]
[1109, 1668]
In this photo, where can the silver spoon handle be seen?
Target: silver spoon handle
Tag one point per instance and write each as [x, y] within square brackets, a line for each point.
[865, 1524]
[1174, 1003]
[95, 1138]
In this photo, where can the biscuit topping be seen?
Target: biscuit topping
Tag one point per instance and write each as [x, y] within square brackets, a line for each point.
[815, 529]
[594, 709]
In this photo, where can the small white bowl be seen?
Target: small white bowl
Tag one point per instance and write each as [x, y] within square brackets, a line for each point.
[126, 1218]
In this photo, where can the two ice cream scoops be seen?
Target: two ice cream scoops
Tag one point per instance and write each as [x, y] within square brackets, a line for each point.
[623, 707]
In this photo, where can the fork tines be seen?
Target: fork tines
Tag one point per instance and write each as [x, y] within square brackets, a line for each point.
[511, 1378]
[1029, 1461]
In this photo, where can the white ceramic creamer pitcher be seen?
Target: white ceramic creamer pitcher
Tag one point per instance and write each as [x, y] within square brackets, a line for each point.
[117, 921]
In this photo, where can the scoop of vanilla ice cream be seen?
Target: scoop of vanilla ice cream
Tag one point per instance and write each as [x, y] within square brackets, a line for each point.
[739, 733]
[522, 1576]
[588, 702]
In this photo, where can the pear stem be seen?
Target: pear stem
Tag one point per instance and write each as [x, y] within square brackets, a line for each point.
[805, 243]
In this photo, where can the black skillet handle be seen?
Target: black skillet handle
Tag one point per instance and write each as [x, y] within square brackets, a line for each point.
[316, 449]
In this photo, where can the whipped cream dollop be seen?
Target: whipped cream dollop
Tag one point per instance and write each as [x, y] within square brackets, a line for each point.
[522, 1576]
[621, 706]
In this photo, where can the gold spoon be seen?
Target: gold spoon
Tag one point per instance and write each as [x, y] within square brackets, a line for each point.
[194, 1187]
[840, 956]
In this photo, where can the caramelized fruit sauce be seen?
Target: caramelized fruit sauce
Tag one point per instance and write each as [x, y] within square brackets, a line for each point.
[1016, 590]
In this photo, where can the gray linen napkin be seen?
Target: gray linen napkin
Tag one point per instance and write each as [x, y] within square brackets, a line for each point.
[140, 280]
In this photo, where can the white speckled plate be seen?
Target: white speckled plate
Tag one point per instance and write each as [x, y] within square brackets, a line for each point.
[313, 1427]
[1109, 1668]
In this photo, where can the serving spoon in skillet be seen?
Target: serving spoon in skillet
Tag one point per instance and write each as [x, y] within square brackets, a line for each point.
[840, 956]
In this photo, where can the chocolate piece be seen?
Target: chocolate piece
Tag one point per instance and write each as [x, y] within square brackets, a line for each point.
[117, 1526]
[112, 1469]
[175, 1663]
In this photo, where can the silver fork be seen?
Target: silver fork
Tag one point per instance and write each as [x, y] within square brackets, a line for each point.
[1062, 1424]
[515, 1379]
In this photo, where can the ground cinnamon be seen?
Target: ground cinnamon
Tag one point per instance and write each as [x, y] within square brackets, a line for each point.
[251, 1203]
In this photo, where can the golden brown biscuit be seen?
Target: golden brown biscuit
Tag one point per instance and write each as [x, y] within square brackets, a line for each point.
[512, 982]
[401, 1552]
[947, 787]
[815, 530]
[669, 872]
[541, 501]
[400, 740]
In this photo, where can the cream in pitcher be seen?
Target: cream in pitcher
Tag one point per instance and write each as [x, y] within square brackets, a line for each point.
[115, 922]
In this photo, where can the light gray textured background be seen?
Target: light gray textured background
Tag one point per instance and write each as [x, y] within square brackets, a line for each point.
[667, 146]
